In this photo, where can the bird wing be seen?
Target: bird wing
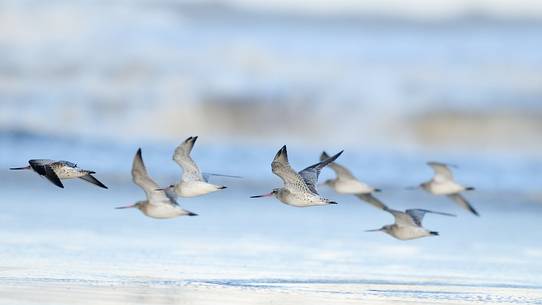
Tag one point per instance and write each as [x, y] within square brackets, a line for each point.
[369, 198]
[181, 155]
[67, 163]
[281, 167]
[38, 165]
[459, 199]
[43, 168]
[206, 176]
[442, 171]
[418, 214]
[51, 175]
[311, 173]
[143, 180]
[401, 218]
[93, 180]
[341, 171]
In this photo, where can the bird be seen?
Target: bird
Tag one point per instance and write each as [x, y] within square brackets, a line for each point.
[443, 183]
[408, 224]
[193, 181]
[54, 171]
[299, 187]
[346, 183]
[160, 204]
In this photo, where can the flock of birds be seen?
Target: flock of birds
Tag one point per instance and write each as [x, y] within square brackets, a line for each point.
[299, 189]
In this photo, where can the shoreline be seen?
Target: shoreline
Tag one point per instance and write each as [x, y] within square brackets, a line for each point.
[61, 291]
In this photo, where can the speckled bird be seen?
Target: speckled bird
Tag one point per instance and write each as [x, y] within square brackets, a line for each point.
[193, 182]
[160, 204]
[408, 224]
[55, 171]
[299, 187]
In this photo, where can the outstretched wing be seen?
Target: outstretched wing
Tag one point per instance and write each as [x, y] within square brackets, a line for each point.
[418, 214]
[43, 168]
[311, 173]
[143, 180]
[442, 171]
[181, 155]
[372, 200]
[401, 218]
[341, 171]
[206, 176]
[93, 180]
[459, 199]
[51, 175]
[281, 167]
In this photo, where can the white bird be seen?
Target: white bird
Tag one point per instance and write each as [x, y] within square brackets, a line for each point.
[299, 188]
[443, 183]
[346, 183]
[193, 181]
[159, 204]
[408, 224]
[56, 170]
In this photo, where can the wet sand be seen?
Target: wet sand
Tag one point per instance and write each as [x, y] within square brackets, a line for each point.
[45, 291]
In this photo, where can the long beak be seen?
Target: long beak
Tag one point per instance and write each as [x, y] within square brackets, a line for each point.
[375, 230]
[264, 195]
[412, 188]
[19, 168]
[160, 189]
[126, 207]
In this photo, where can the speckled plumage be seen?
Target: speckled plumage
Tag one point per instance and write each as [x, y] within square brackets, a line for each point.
[408, 224]
[160, 204]
[54, 171]
[193, 182]
[299, 188]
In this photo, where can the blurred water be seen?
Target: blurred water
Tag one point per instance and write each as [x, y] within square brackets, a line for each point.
[132, 70]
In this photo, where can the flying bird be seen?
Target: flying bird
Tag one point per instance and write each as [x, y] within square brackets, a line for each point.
[160, 204]
[54, 171]
[346, 183]
[299, 188]
[408, 224]
[193, 181]
[443, 183]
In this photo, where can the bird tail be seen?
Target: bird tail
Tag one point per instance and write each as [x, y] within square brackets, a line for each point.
[434, 233]
[191, 214]
[470, 188]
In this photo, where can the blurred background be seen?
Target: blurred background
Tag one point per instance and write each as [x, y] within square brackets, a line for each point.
[395, 84]
[373, 77]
